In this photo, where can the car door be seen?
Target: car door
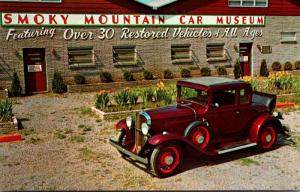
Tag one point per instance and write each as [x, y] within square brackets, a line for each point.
[223, 114]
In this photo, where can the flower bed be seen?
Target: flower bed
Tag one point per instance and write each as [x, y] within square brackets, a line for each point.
[10, 125]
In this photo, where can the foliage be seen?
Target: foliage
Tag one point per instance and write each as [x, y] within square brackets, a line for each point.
[168, 74]
[102, 100]
[79, 79]
[185, 73]
[188, 93]
[205, 71]
[162, 94]
[276, 66]
[297, 65]
[133, 97]
[58, 85]
[122, 97]
[281, 82]
[106, 77]
[147, 75]
[16, 88]
[237, 70]
[147, 94]
[288, 66]
[221, 70]
[128, 76]
[264, 72]
[6, 107]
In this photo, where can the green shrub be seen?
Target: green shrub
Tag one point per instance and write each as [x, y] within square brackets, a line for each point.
[147, 94]
[102, 100]
[162, 95]
[297, 65]
[168, 74]
[185, 73]
[264, 72]
[221, 70]
[147, 75]
[205, 71]
[79, 79]
[237, 69]
[58, 85]
[128, 76]
[106, 77]
[276, 66]
[16, 88]
[133, 97]
[5, 110]
[288, 66]
[122, 97]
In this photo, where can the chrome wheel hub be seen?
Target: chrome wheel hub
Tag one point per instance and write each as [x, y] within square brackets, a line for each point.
[269, 138]
[169, 160]
[200, 139]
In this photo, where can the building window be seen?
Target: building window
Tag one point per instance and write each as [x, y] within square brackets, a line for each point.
[287, 37]
[215, 52]
[181, 53]
[248, 3]
[124, 55]
[81, 57]
[34, 1]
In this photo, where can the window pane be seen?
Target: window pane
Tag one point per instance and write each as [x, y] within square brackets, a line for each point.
[180, 52]
[288, 36]
[248, 3]
[224, 98]
[198, 96]
[215, 50]
[235, 3]
[80, 56]
[124, 55]
[244, 95]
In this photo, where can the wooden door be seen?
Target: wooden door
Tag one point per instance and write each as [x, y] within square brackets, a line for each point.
[35, 71]
[245, 58]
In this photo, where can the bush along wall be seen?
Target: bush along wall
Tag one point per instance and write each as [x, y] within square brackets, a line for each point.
[288, 66]
[185, 73]
[106, 77]
[237, 69]
[276, 66]
[205, 71]
[264, 72]
[79, 79]
[16, 88]
[58, 85]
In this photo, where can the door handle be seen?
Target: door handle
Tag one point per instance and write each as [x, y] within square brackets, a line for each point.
[237, 112]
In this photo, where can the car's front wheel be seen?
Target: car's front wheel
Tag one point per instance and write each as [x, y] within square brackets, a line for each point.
[267, 137]
[166, 159]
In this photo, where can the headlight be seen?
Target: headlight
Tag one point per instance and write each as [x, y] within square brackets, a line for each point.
[145, 128]
[129, 121]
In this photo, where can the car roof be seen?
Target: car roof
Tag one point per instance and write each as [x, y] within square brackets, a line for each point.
[211, 82]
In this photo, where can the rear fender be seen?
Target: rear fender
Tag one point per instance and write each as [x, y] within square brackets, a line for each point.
[260, 122]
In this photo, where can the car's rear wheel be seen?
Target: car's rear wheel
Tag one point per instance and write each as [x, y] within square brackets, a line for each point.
[125, 141]
[199, 136]
[166, 159]
[267, 137]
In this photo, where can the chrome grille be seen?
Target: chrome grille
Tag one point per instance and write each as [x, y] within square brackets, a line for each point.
[139, 137]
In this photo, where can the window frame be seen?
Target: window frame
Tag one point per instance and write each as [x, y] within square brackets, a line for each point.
[125, 63]
[187, 60]
[81, 65]
[241, 3]
[291, 40]
[215, 58]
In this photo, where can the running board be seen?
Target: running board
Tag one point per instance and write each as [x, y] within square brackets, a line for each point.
[237, 148]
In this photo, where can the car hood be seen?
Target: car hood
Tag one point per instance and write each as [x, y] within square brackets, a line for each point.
[175, 111]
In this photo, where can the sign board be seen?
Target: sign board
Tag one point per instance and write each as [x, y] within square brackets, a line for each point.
[34, 68]
[244, 58]
[65, 19]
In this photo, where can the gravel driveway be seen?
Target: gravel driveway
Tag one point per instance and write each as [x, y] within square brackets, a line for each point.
[65, 148]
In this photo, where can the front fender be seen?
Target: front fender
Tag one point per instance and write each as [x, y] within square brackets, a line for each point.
[260, 122]
[121, 125]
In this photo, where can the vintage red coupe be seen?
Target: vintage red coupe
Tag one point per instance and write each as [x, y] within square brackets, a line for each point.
[213, 115]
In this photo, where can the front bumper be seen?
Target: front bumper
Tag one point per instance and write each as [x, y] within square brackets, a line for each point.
[129, 154]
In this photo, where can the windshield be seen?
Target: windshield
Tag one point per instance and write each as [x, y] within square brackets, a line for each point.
[193, 95]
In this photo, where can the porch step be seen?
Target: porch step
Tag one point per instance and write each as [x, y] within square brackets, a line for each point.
[235, 146]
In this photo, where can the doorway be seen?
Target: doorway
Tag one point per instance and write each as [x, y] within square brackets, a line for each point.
[245, 58]
[35, 70]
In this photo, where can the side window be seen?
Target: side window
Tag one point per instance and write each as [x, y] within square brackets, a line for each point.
[244, 95]
[224, 98]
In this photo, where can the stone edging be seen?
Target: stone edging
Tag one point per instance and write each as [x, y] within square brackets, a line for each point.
[10, 125]
[112, 115]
